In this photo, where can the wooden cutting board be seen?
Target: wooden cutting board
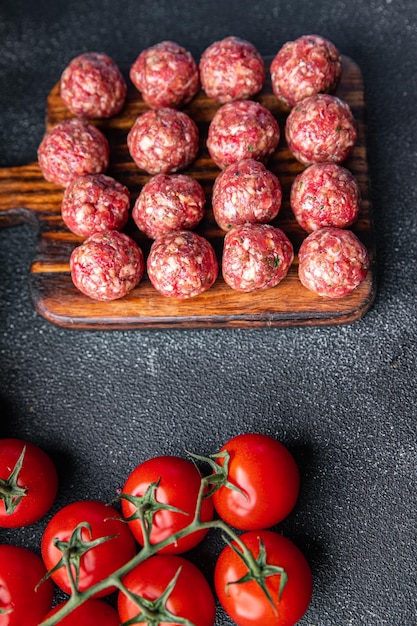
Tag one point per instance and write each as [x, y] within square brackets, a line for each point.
[26, 196]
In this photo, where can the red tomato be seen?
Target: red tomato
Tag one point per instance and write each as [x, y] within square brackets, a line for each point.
[178, 487]
[90, 613]
[191, 597]
[99, 561]
[26, 493]
[246, 603]
[21, 604]
[267, 474]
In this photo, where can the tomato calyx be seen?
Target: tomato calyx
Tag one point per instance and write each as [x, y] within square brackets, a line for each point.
[72, 552]
[258, 570]
[10, 492]
[154, 612]
[6, 611]
[220, 472]
[147, 506]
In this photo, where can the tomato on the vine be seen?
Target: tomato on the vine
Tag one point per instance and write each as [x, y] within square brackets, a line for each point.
[290, 588]
[173, 501]
[263, 482]
[96, 539]
[190, 597]
[90, 613]
[28, 483]
[22, 601]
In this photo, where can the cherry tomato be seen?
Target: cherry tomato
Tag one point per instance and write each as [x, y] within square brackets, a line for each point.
[179, 485]
[99, 561]
[28, 483]
[90, 613]
[191, 597]
[267, 480]
[22, 602]
[246, 602]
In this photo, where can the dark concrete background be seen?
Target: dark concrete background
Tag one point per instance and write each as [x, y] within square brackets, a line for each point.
[342, 398]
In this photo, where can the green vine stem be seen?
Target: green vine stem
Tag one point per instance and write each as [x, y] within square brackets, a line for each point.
[148, 550]
[10, 492]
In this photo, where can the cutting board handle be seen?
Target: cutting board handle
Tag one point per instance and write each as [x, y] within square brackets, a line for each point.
[25, 196]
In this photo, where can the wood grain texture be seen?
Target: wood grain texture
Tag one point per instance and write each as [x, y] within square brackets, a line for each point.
[26, 196]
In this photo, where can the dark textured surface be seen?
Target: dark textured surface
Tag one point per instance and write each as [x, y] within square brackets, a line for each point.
[343, 398]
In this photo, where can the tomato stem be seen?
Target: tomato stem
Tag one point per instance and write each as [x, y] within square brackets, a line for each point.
[220, 474]
[154, 611]
[72, 552]
[116, 577]
[256, 567]
[146, 508]
[10, 492]
[259, 570]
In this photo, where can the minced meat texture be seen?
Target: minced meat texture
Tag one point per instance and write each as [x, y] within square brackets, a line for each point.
[182, 264]
[166, 75]
[71, 149]
[95, 203]
[92, 86]
[107, 266]
[308, 65]
[169, 202]
[231, 69]
[246, 191]
[162, 141]
[255, 256]
[332, 262]
[325, 194]
[321, 128]
[242, 130]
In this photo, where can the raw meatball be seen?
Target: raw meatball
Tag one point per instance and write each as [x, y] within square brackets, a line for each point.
[182, 264]
[246, 192]
[95, 203]
[325, 194]
[166, 75]
[92, 86]
[169, 202]
[332, 262]
[255, 256]
[311, 64]
[71, 149]
[163, 141]
[242, 130]
[321, 128]
[107, 266]
[231, 69]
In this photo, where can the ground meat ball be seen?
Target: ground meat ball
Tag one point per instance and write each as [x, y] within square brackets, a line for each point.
[95, 203]
[311, 64]
[246, 192]
[325, 194]
[321, 128]
[242, 130]
[92, 86]
[107, 266]
[169, 202]
[255, 256]
[332, 262]
[71, 149]
[163, 141]
[166, 75]
[182, 264]
[231, 69]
